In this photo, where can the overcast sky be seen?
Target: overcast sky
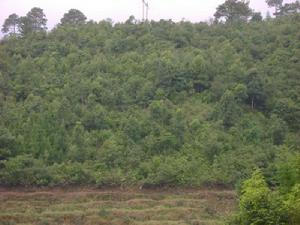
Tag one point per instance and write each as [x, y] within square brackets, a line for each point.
[120, 10]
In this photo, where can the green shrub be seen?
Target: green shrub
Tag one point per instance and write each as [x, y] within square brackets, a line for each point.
[256, 206]
[71, 173]
[293, 205]
[25, 170]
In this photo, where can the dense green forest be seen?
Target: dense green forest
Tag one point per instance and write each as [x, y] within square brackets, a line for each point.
[156, 103]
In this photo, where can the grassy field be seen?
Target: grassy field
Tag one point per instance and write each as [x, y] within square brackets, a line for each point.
[115, 206]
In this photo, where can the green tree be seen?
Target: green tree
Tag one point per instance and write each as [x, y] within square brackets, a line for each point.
[293, 205]
[255, 202]
[161, 111]
[289, 111]
[37, 19]
[288, 171]
[24, 25]
[278, 130]
[34, 21]
[255, 88]
[11, 24]
[233, 11]
[229, 108]
[256, 17]
[77, 151]
[7, 144]
[73, 17]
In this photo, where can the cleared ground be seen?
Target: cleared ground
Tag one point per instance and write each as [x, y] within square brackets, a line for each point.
[115, 206]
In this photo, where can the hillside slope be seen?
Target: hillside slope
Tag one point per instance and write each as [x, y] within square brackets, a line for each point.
[158, 103]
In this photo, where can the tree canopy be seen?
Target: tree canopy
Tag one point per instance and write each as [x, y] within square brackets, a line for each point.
[233, 11]
[73, 17]
[11, 24]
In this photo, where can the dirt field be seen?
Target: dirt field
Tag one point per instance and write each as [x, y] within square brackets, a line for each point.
[115, 206]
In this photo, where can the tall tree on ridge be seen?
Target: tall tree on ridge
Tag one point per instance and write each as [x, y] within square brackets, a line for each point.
[73, 17]
[233, 11]
[34, 21]
[11, 24]
[37, 18]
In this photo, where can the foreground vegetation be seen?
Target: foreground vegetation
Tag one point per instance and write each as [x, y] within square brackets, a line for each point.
[156, 103]
[115, 207]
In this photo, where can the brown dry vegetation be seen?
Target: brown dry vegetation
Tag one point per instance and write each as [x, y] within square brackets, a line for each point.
[114, 206]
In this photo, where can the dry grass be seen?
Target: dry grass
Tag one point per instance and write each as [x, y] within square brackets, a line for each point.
[115, 207]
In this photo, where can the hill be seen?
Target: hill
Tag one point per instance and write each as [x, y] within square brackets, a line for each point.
[158, 103]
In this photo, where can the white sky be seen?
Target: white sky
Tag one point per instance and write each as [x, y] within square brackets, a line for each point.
[120, 10]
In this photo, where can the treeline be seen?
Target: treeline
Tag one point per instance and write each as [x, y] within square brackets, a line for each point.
[156, 103]
[36, 21]
[231, 11]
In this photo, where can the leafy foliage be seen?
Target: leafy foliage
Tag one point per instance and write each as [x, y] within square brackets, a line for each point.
[73, 17]
[233, 11]
[256, 202]
[10, 23]
[260, 205]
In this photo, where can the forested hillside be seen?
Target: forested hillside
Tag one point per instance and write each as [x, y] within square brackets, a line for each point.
[154, 103]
